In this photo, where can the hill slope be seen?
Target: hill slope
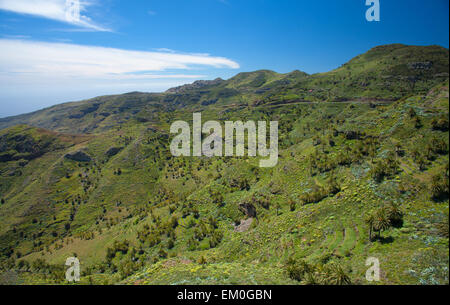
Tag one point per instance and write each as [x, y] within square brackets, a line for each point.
[384, 73]
[133, 213]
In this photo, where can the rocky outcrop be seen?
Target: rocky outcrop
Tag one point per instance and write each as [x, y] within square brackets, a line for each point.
[244, 226]
[79, 156]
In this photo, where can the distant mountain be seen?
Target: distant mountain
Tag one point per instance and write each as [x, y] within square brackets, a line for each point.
[384, 73]
[363, 172]
[196, 85]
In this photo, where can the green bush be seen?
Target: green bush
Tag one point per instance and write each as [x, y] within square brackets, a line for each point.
[441, 123]
[440, 187]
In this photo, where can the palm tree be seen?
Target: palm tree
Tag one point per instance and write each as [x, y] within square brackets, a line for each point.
[394, 214]
[382, 221]
[370, 222]
[333, 274]
[378, 221]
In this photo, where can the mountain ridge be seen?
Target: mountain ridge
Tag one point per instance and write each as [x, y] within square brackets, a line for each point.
[354, 147]
[382, 73]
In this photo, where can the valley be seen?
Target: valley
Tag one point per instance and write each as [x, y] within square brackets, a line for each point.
[362, 172]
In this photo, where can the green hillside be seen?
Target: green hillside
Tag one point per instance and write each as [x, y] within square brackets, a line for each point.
[362, 172]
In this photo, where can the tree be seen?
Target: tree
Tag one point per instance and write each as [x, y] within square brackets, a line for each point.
[217, 198]
[377, 221]
[389, 215]
[382, 221]
[394, 214]
[438, 146]
[298, 270]
[333, 274]
[440, 123]
[173, 222]
[412, 113]
[440, 186]
[170, 243]
[277, 208]
[202, 260]
[292, 205]
[384, 167]
[417, 122]
[421, 162]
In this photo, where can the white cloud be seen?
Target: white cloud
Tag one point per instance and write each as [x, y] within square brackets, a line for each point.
[54, 9]
[36, 74]
[166, 50]
[42, 59]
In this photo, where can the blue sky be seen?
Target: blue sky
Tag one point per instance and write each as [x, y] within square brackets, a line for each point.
[116, 46]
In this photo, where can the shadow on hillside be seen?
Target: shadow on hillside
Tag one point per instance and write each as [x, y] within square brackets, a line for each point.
[385, 240]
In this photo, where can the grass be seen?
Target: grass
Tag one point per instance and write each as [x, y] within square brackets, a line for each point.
[135, 194]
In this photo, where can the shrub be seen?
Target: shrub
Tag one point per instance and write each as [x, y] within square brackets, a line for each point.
[333, 274]
[389, 215]
[317, 194]
[172, 209]
[215, 239]
[329, 274]
[438, 146]
[261, 199]
[443, 227]
[192, 244]
[173, 222]
[217, 198]
[121, 247]
[202, 260]
[314, 196]
[440, 187]
[162, 253]
[440, 123]
[333, 186]
[292, 205]
[394, 214]
[417, 122]
[298, 269]
[170, 244]
[384, 168]
[412, 113]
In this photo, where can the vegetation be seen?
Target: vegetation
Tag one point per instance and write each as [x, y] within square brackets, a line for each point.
[363, 171]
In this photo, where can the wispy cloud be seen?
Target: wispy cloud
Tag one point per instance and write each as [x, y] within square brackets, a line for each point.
[165, 50]
[67, 11]
[34, 74]
[71, 60]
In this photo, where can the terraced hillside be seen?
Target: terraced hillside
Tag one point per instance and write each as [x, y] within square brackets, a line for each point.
[362, 172]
